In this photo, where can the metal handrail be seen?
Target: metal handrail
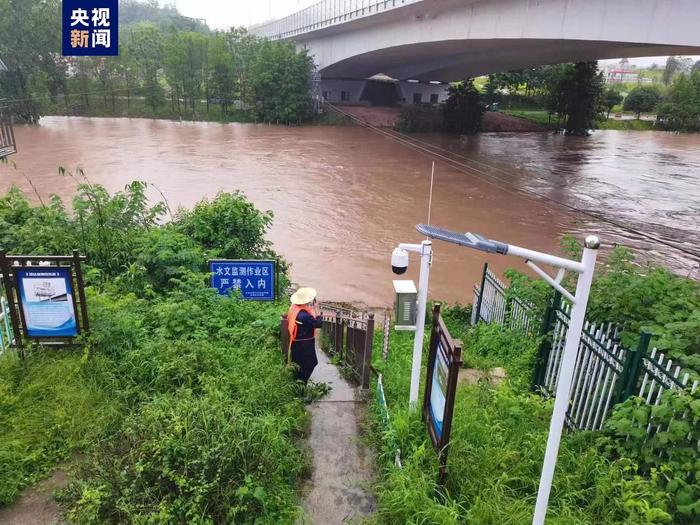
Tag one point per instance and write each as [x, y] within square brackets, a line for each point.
[324, 14]
[7, 134]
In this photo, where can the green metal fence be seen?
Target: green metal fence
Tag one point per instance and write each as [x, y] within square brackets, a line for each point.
[5, 329]
[606, 372]
[601, 369]
[495, 305]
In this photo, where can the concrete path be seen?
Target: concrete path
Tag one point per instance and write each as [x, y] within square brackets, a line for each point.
[338, 492]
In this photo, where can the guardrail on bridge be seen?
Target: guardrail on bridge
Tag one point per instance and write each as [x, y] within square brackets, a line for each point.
[324, 14]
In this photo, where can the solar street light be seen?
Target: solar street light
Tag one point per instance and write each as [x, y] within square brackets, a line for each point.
[585, 269]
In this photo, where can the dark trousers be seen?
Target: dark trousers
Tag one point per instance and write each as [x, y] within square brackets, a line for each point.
[304, 355]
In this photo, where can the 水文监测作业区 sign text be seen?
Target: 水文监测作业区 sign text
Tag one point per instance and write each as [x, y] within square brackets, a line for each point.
[253, 280]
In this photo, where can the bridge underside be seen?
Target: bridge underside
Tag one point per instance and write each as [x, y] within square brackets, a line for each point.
[453, 60]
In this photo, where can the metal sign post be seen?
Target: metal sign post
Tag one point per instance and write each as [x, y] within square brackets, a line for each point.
[585, 269]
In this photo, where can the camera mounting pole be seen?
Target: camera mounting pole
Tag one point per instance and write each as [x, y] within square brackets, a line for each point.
[579, 301]
[425, 249]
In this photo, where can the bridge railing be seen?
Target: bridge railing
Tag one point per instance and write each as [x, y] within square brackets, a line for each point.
[324, 14]
[7, 135]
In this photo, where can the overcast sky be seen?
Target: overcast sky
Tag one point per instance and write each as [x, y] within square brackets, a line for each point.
[222, 14]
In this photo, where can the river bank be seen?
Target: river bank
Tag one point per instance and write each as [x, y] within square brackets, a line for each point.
[390, 117]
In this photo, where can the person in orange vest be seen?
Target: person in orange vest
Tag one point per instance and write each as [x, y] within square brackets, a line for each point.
[303, 320]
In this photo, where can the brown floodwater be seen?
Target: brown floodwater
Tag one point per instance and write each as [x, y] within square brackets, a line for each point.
[343, 197]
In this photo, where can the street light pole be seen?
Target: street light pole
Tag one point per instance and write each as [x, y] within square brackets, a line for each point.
[566, 374]
[585, 269]
[425, 249]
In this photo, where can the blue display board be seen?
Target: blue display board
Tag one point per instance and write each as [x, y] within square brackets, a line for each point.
[253, 280]
[90, 27]
[438, 391]
[48, 304]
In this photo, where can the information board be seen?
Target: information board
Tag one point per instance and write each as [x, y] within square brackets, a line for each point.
[444, 361]
[438, 391]
[47, 302]
[252, 280]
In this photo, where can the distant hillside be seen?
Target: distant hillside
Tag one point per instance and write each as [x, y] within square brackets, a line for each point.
[132, 12]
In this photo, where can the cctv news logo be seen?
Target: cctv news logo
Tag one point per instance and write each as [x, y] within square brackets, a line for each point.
[90, 27]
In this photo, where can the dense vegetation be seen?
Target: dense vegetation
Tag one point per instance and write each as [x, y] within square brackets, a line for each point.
[540, 94]
[573, 95]
[176, 408]
[637, 298]
[642, 99]
[619, 475]
[463, 111]
[680, 110]
[169, 66]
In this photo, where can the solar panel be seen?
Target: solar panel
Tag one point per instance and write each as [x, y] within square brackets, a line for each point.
[470, 240]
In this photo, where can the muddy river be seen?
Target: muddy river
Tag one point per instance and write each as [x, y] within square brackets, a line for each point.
[343, 197]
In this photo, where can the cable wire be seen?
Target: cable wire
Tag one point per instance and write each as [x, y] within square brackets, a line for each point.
[429, 150]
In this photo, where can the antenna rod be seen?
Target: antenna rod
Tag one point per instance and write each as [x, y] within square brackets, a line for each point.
[430, 200]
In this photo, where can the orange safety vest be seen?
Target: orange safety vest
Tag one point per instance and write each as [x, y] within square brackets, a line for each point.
[293, 326]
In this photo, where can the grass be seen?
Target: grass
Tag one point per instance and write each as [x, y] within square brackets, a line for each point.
[497, 448]
[627, 125]
[51, 406]
[138, 108]
[537, 116]
[542, 117]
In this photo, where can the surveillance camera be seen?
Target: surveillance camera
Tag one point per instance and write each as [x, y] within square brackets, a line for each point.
[399, 261]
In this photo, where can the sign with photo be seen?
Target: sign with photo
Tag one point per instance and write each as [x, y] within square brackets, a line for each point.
[47, 302]
[252, 280]
[45, 299]
[444, 362]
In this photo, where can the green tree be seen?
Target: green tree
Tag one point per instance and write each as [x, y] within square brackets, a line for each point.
[30, 34]
[221, 72]
[281, 82]
[576, 95]
[184, 61]
[681, 109]
[675, 66]
[642, 99]
[611, 98]
[145, 47]
[463, 112]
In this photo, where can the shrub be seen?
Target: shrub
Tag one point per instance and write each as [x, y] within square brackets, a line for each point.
[177, 407]
[463, 112]
[642, 99]
[668, 454]
[417, 119]
[227, 227]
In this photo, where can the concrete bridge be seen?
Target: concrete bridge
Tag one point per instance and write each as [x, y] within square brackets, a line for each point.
[433, 41]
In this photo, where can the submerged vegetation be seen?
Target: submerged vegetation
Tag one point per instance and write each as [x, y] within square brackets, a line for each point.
[176, 408]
